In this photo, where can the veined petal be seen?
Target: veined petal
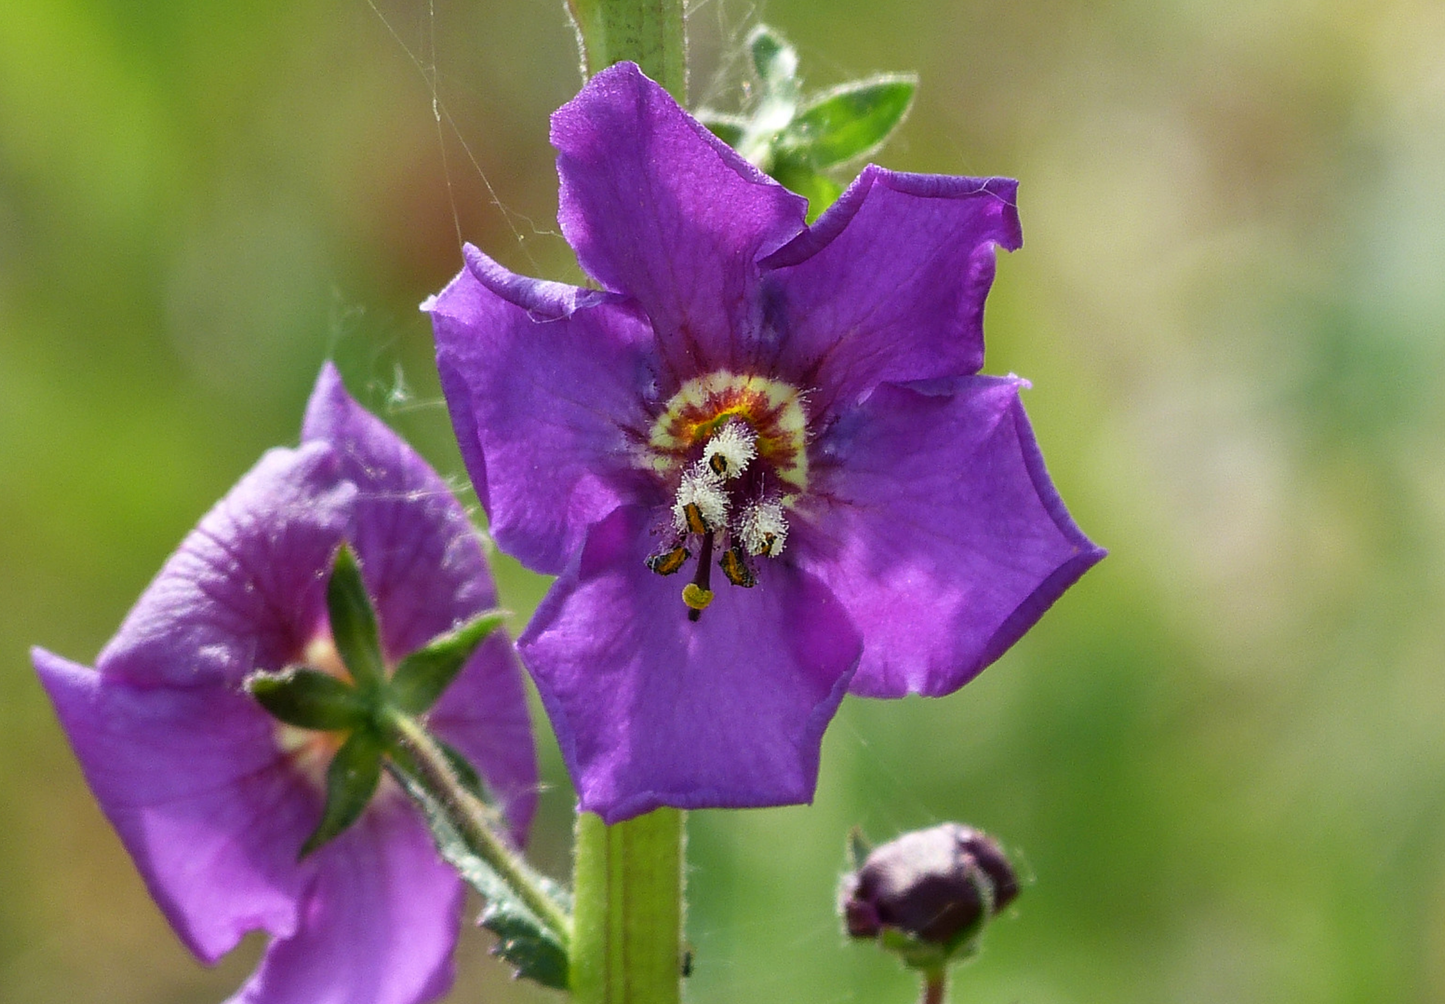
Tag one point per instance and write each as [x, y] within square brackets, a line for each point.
[245, 590]
[652, 709]
[201, 795]
[890, 283]
[943, 536]
[658, 208]
[420, 556]
[552, 407]
[377, 925]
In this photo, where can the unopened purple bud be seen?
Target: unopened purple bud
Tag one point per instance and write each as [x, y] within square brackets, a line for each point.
[935, 886]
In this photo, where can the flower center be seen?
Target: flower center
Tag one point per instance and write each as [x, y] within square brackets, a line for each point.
[703, 406]
[737, 446]
[311, 751]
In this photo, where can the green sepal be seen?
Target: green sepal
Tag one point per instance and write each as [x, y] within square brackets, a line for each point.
[728, 128]
[848, 121]
[859, 847]
[927, 956]
[535, 950]
[351, 780]
[421, 677]
[820, 190]
[353, 621]
[309, 698]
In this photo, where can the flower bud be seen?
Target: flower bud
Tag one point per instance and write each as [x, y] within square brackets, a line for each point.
[928, 893]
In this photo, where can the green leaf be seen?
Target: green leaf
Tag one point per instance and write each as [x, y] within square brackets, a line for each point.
[820, 190]
[353, 621]
[848, 121]
[521, 938]
[421, 677]
[351, 780]
[728, 128]
[537, 952]
[774, 60]
[309, 699]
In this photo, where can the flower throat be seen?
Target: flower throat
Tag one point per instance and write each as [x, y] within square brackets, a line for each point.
[732, 498]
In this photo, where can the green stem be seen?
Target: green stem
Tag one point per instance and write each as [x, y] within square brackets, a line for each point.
[651, 33]
[935, 986]
[627, 941]
[477, 823]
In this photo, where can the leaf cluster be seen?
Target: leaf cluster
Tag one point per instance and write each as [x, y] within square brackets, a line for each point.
[798, 140]
[360, 708]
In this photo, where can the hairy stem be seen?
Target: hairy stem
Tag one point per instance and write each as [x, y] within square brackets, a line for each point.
[478, 823]
[627, 945]
[650, 33]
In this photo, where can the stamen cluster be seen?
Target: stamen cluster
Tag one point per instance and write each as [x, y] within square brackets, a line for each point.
[706, 507]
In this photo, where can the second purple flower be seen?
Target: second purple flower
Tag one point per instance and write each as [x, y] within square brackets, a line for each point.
[760, 459]
[214, 798]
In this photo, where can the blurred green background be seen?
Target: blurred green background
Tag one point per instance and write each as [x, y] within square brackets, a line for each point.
[1220, 757]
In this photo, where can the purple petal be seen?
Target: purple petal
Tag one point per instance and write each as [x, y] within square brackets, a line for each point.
[658, 208]
[484, 715]
[202, 796]
[552, 401]
[890, 283]
[245, 590]
[424, 568]
[420, 556]
[377, 926]
[652, 709]
[943, 536]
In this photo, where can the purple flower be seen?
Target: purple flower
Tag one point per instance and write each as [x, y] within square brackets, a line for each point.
[759, 459]
[213, 797]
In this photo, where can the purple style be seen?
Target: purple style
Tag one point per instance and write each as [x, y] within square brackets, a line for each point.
[760, 458]
[213, 797]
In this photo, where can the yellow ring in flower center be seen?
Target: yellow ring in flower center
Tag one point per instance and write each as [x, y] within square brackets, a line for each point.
[705, 404]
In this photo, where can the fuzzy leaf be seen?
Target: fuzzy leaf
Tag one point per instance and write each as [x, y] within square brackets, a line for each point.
[774, 60]
[820, 190]
[522, 939]
[848, 121]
